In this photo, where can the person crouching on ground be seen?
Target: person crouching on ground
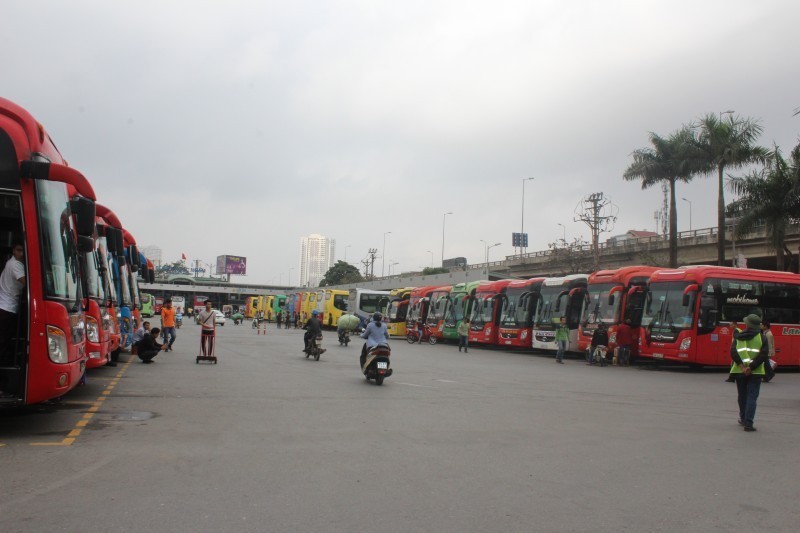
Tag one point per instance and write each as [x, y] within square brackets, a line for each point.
[149, 347]
[749, 353]
[138, 335]
[376, 333]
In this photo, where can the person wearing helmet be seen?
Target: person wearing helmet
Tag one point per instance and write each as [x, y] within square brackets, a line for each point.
[313, 329]
[376, 333]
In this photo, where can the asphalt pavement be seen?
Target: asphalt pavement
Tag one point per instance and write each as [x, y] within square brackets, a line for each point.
[490, 440]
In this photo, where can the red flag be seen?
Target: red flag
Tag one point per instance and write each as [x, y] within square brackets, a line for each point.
[183, 256]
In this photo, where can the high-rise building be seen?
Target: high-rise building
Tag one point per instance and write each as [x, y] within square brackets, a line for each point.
[153, 253]
[317, 254]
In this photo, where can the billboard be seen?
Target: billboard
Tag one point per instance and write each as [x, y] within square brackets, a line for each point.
[231, 264]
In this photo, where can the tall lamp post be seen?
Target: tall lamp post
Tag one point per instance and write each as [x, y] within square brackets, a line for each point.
[444, 217]
[563, 233]
[487, 252]
[390, 268]
[522, 218]
[431, 258]
[383, 254]
[289, 283]
[690, 212]
[345, 252]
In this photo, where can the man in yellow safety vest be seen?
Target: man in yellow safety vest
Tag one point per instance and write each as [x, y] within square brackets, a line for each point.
[749, 352]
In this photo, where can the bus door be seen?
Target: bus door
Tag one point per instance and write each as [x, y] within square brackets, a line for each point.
[13, 340]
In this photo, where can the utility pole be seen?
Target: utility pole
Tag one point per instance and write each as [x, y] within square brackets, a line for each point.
[599, 214]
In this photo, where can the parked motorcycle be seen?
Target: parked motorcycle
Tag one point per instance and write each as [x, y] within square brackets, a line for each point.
[376, 365]
[344, 337]
[315, 348]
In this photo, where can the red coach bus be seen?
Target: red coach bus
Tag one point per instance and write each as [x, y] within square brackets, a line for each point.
[690, 313]
[614, 296]
[516, 316]
[486, 312]
[439, 303]
[418, 306]
[43, 347]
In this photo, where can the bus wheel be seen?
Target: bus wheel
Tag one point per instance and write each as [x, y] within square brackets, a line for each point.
[433, 340]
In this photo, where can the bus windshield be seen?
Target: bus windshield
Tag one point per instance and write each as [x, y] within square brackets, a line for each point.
[515, 312]
[597, 308]
[438, 308]
[126, 288]
[59, 253]
[664, 312]
[551, 305]
[397, 311]
[93, 279]
[458, 303]
[484, 307]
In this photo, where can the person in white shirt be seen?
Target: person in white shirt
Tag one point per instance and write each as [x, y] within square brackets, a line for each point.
[208, 323]
[12, 283]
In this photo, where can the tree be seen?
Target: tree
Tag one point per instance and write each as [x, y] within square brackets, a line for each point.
[674, 159]
[340, 274]
[178, 267]
[766, 197]
[431, 271]
[728, 144]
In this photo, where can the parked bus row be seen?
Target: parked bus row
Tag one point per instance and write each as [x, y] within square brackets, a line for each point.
[330, 305]
[686, 315]
[78, 301]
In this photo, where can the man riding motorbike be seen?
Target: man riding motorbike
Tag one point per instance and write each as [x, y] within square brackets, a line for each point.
[313, 329]
[376, 333]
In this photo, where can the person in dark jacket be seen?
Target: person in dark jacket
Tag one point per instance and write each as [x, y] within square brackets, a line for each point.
[599, 345]
[749, 353]
[149, 347]
[313, 329]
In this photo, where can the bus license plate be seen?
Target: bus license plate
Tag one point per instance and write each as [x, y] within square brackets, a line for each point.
[383, 365]
[658, 356]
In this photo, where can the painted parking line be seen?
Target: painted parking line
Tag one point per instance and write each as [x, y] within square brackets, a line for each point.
[94, 407]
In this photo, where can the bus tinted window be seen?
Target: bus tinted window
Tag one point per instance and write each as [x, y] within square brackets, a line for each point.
[59, 252]
[340, 302]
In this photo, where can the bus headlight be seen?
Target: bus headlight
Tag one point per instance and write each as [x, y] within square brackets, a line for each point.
[686, 343]
[57, 345]
[92, 330]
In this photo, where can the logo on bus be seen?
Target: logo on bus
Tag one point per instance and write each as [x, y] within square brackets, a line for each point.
[742, 300]
[790, 331]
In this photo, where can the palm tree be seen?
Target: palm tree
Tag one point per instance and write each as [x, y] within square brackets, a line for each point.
[766, 197]
[728, 143]
[674, 159]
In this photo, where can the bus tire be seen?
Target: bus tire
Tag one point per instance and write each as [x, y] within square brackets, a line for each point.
[433, 340]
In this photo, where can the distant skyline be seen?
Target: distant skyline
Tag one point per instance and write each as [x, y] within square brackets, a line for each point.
[239, 127]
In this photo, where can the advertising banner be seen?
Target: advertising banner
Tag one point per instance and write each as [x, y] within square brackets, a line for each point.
[231, 264]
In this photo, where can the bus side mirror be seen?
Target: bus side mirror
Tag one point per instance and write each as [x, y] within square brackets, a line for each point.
[152, 275]
[85, 244]
[686, 292]
[84, 211]
[611, 299]
[119, 244]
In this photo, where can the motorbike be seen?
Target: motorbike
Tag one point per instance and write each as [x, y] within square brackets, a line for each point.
[178, 320]
[376, 365]
[344, 337]
[315, 348]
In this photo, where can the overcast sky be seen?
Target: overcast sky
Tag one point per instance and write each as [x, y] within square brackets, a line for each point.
[237, 127]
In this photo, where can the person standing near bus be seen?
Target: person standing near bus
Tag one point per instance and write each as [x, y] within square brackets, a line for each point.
[624, 343]
[562, 338]
[769, 370]
[12, 282]
[278, 319]
[168, 324]
[208, 324]
[749, 353]
[463, 334]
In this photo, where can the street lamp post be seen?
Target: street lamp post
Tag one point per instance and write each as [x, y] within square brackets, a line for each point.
[444, 217]
[728, 112]
[431, 258]
[345, 252]
[564, 233]
[289, 283]
[487, 252]
[390, 268]
[383, 254]
[690, 212]
[522, 224]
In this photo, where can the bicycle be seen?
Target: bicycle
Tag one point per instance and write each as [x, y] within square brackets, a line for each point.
[413, 336]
